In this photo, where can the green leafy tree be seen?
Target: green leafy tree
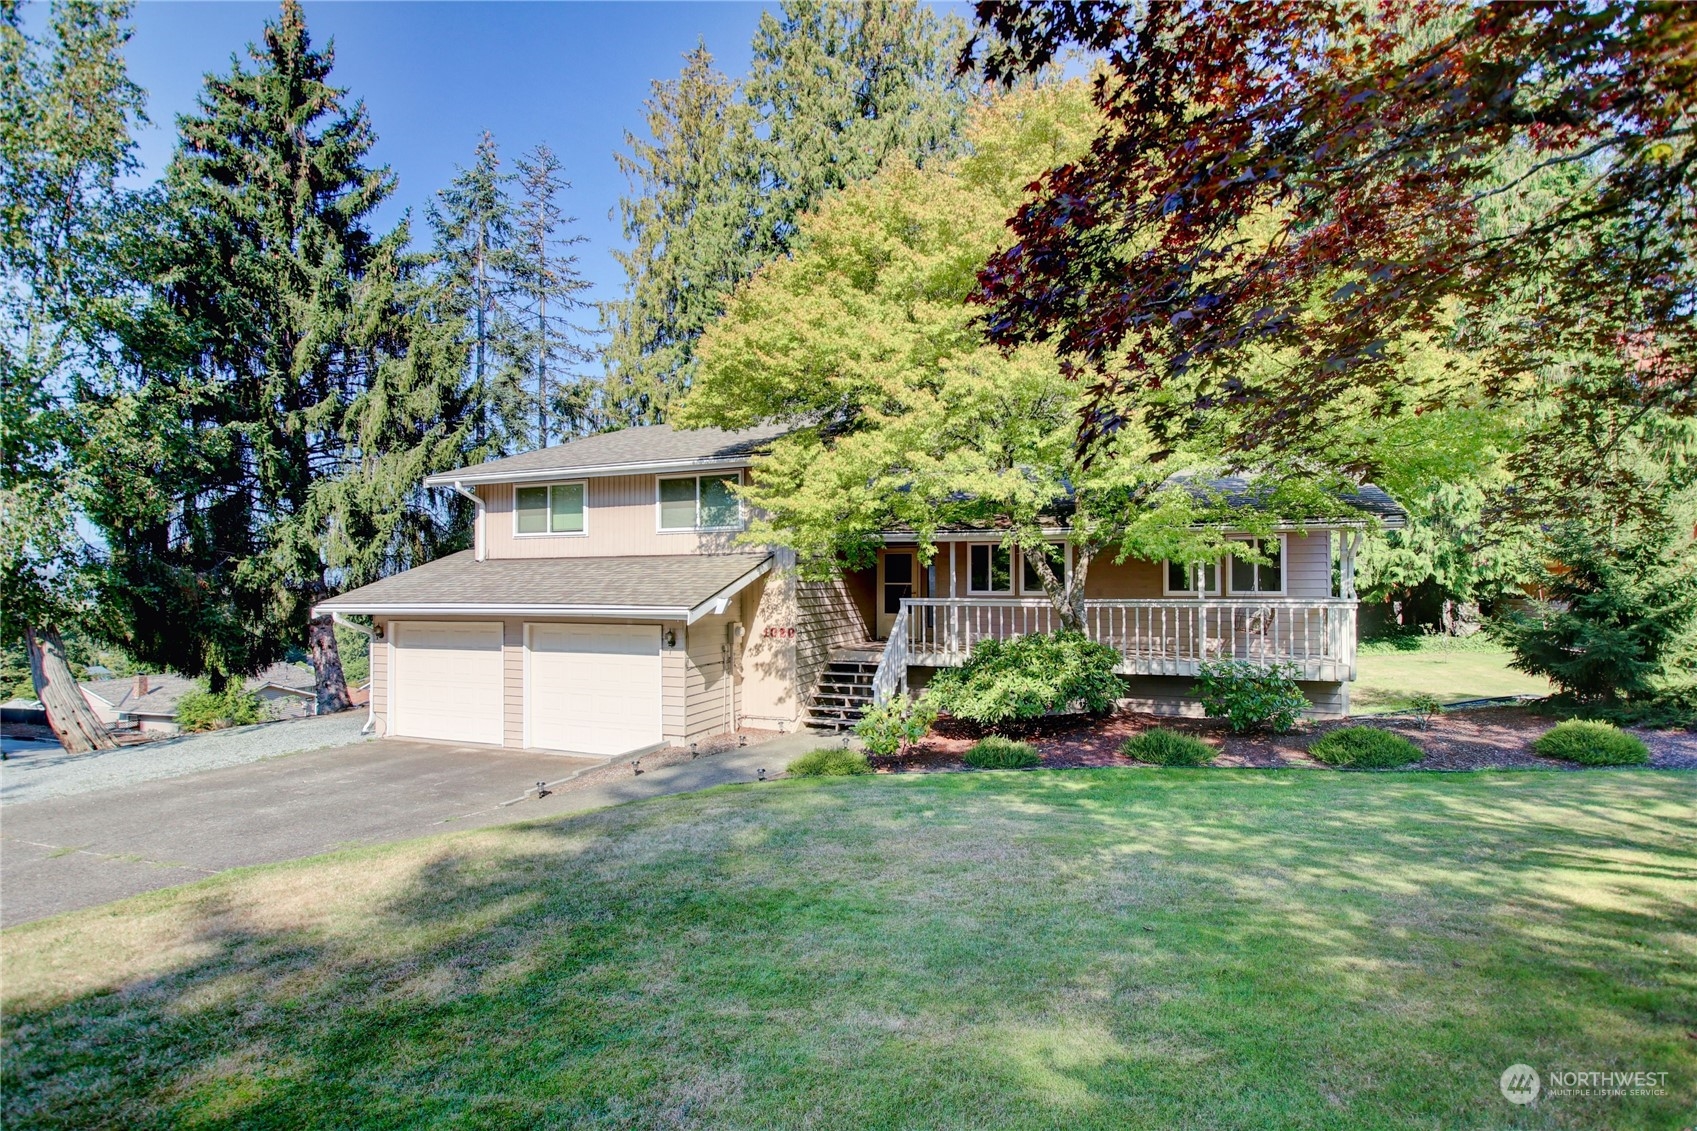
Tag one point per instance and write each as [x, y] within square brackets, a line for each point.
[65, 144]
[913, 420]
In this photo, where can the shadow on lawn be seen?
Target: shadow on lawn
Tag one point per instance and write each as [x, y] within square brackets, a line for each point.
[1092, 949]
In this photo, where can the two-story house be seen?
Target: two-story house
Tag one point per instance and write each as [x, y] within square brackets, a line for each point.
[607, 606]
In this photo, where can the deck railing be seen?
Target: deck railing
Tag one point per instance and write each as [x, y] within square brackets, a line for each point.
[891, 675]
[1170, 637]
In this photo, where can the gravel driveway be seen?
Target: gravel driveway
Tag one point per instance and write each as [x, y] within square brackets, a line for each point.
[38, 774]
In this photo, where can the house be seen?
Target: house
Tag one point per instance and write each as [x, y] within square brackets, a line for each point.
[148, 703]
[607, 606]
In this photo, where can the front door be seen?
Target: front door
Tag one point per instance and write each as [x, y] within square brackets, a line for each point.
[897, 571]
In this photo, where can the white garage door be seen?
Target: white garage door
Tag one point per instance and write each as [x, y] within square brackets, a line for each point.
[448, 681]
[594, 688]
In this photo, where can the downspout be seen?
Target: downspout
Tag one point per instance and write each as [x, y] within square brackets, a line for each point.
[370, 697]
[477, 521]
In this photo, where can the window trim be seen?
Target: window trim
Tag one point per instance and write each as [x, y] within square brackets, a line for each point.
[1284, 570]
[549, 511]
[1166, 578]
[1013, 576]
[734, 475]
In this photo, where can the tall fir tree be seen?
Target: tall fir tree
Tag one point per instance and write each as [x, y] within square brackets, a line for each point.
[690, 219]
[836, 88]
[474, 225]
[549, 288]
[65, 143]
[251, 366]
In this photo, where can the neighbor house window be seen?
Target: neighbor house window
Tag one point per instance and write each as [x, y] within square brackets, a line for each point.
[1260, 577]
[989, 569]
[1057, 565]
[1182, 578]
[555, 509]
[700, 502]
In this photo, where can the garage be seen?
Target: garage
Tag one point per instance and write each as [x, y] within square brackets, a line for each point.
[447, 680]
[592, 688]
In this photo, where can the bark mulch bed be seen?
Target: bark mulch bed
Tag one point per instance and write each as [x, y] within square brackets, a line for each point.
[1492, 738]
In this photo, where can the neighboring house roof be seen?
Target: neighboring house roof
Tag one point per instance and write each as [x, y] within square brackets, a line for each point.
[671, 587]
[656, 447]
[165, 689]
[1366, 499]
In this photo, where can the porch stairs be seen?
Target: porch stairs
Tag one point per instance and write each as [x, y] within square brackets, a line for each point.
[845, 688]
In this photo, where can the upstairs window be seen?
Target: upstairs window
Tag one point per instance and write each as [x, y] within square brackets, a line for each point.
[1260, 577]
[555, 509]
[989, 569]
[1182, 578]
[700, 502]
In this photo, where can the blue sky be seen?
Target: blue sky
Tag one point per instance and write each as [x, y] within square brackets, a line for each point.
[434, 76]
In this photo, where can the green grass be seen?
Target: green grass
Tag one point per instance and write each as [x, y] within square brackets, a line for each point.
[1592, 743]
[828, 762]
[1080, 949]
[1159, 746]
[998, 753]
[1388, 680]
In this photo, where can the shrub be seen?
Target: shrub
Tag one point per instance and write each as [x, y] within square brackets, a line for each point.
[1027, 676]
[830, 762]
[1251, 696]
[1591, 744]
[1162, 747]
[998, 753]
[1426, 705]
[1365, 748]
[892, 726]
[208, 710]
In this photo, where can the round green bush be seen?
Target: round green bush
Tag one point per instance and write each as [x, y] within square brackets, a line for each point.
[1365, 748]
[998, 753]
[1162, 747]
[1592, 744]
[829, 762]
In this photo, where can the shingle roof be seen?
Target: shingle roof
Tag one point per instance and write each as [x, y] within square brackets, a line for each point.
[628, 449]
[164, 689]
[651, 586]
[1366, 499]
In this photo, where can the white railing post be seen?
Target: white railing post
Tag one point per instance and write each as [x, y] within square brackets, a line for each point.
[891, 676]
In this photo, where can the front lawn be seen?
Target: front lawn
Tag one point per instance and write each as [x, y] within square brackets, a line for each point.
[1388, 680]
[1092, 948]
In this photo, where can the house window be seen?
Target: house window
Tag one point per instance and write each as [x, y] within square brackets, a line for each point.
[1029, 581]
[1181, 578]
[898, 580]
[1260, 577]
[700, 502]
[555, 509]
[989, 569]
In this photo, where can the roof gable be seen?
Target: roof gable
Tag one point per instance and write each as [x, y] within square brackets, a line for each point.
[655, 447]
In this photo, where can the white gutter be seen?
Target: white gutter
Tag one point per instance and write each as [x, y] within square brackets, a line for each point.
[370, 699]
[477, 518]
[456, 478]
[630, 612]
[720, 601]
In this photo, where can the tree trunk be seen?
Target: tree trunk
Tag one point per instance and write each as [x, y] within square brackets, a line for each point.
[68, 713]
[327, 666]
[1068, 598]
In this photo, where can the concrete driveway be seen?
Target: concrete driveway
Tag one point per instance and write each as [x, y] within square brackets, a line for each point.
[65, 853]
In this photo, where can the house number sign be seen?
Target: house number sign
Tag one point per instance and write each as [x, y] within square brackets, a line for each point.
[778, 632]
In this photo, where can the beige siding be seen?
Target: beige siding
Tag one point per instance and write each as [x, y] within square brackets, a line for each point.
[623, 521]
[674, 682]
[826, 619]
[512, 687]
[1308, 564]
[709, 688]
[1130, 580]
[380, 682]
[770, 696]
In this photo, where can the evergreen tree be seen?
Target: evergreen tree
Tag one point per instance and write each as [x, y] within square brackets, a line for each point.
[65, 142]
[548, 289]
[474, 225]
[837, 87]
[251, 366]
[690, 221]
